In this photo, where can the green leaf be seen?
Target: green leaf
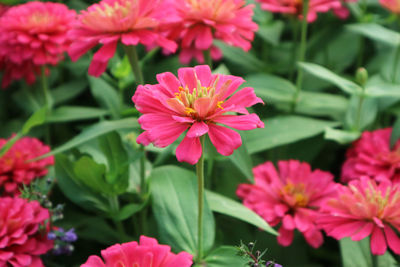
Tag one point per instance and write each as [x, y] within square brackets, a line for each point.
[394, 137]
[92, 132]
[174, 195]
[327, 75]
[38, 118]
[75, 113]
[105, 95]
[376, 32]
[283, 130]
[68, 91]
[128, 210]
[9, 144]
[242, 160]
[227, 206]
[91, 174]
[225, 256]
[271, 32]
[383, 90]
[322, 104]
[341, 136]
[355, 254]
[387, 260]
[357, 118]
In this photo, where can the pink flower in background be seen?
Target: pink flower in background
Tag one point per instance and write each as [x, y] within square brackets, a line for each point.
[364, 209]
[33, 35]
[148, 253]
[372, 156]
[198, 101]
[3, 9]
[26, 70]
[110, 21]
[21, 240]
[202, 21]
[295, 7]
[14, 168]
[291, 195]
[391, 5]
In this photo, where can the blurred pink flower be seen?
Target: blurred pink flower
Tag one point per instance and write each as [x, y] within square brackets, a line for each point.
[391, 5]
[12, 71]
[197, 101]
[295, 7]
[14, 168]
[148, 253]
[129, 21]
[292, 195]
[202, 21]
[371, 156]
[364, 209]
[21, 240]
[33, 35]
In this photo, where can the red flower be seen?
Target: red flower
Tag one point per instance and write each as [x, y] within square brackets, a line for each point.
[14, 168]
[292, 195]
[372, 156]
[21, 240]
[148, 253]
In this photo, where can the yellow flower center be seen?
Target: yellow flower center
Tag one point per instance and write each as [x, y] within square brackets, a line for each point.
[296, 193]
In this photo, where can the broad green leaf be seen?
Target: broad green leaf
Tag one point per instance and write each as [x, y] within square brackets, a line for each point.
[91, 174]
[227, 206]
[327, 75]
[105, 95]
[94, 131]
[361, 114]
[242, 161]
[225, 256]
[386, 260]
[283, 130]
[271, 32]
[38, 118]
[322, 104]
[68, 91]
[128, 210]
[394, 137]
[355, 254]
[174, 195]
[75, 113]
[376, 32]
[383, 90]
[341, 136]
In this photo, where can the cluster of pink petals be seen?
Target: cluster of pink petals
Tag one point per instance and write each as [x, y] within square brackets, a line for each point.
[23, 236]
[202, 21]
[197, 101]
[372, 156]
[364, 209]
[3, 9]
[391, 5]
[295, 7]
[33, 34]
[292, 195]
[148, 253]
[110, 21]
[14, 168]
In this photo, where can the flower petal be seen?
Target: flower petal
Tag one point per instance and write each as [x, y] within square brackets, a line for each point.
[392, 239]
[378, 242]
[101, 58]
[225, 140]
[189, 150]
[243, 122]
[198, 129]
[285, 237]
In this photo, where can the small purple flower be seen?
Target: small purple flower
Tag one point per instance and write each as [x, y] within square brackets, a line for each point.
[273, 264]
[51, 236]
[69, 236]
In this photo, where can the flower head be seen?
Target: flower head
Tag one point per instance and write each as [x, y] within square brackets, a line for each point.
[198, 101]
[14, 168]
[22, 232]
[202, 21]
[364, 209]
[291, 195]
[34, 34]
[372, 156]
[148, 253]
[295, 7]
[129, 21]
[391, 5]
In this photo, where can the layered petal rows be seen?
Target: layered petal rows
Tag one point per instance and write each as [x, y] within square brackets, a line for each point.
[197, 101]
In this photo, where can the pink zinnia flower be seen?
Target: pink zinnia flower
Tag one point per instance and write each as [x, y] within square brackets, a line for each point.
[14, 168]
[129, 21]
[197, 101]
[202, 21]
[364, 209]
[295, 7]
[11, 71]
[148, 253]
[34, 34]
[291, 195]
[372, 156]
[391, 5]
[22, 233]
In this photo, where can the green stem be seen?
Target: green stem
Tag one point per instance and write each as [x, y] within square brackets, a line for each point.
[374, 260]
[302, 53]
[133, 58]
[200, 186]
[47, 101]
[207, 58]
[359, 109]
[295, 33]
[396, 64]
[114, 206]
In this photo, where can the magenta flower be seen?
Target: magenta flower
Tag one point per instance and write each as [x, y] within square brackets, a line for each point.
[364, 209]
[202, 21]
[33, 35]
[110, 21]
[291, 195]
[391, 5]
[21, 240]
[148, 253]
[372, 156]
[198, 101]
[14, 168]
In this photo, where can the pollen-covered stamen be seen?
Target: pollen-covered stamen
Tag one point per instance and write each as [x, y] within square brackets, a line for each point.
[297, 196]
